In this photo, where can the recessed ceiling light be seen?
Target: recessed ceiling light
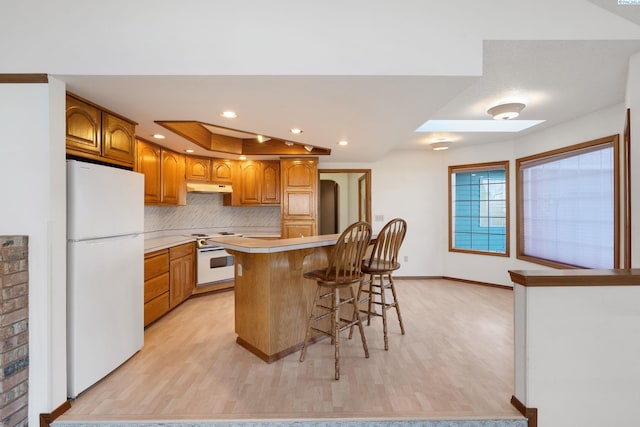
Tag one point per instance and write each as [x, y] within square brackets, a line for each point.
[309, 148]
[343, 142]
[296, 131]
[229, 114]
[158, 136]
[288, 143]
[188, 150]
[243, 157]
[262, 138]
[477, 125]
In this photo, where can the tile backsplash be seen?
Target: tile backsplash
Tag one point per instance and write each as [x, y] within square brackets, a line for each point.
[205, 210]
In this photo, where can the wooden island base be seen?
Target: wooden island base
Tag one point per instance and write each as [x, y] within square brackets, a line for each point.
[272, 298]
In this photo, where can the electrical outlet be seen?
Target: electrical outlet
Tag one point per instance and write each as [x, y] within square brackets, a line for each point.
[379, 218]
[406, 258]
[239, 270]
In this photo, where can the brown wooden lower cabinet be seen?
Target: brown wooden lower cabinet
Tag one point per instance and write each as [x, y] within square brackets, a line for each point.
[156, 308]
[169, 279]
[156, 285]
[181, 269]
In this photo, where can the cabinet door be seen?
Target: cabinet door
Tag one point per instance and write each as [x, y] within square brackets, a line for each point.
[221, 171]
[173, 182]
[198, 169]
[181, 282]
[117, 139]
[148, 162]
[299, 187]
[270, 194]
[250, 183]
[291, 229]
[83, 127]
[299, 197]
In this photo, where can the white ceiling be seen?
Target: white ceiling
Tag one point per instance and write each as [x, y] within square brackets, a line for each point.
[369, 71]
[558, 80]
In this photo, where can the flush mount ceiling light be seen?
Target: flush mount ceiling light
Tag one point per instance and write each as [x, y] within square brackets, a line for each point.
[229, 114]
[343, 142]
[242, 157]
[296, 131]
[288, 143]
[309, 148]
[506, 111]
[188, 150]
[158, 136]
[441, 145]
[262, 138]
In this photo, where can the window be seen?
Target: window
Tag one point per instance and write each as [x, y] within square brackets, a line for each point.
[479, 208]
[567, 206]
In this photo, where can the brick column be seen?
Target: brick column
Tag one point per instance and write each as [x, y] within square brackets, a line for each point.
[14, 334]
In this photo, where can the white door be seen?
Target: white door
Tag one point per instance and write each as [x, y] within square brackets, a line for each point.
[103, 201]
[105, 307]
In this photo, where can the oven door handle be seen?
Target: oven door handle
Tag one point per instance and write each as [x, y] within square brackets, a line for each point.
[210, 249]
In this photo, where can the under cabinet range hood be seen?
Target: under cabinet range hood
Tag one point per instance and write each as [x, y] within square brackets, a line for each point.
[198, 187]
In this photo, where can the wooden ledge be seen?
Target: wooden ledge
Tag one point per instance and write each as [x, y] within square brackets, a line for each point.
[576, 277]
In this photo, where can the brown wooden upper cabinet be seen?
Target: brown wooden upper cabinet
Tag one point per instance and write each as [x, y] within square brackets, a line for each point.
[299, 212]
[94, 133]
[204, 169]
[198, 169]
[164, 174]
[255, 183]
[221, 171]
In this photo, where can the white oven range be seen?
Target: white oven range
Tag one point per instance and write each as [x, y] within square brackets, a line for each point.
[214, 264]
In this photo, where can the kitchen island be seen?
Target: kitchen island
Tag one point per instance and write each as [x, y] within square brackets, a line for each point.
[272, 298]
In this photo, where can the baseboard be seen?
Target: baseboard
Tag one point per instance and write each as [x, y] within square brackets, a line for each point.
[47, 419]
[474, 282]
[455, 279]
[531, 414]
[272, 358]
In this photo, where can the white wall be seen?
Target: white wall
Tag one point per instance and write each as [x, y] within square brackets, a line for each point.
[414, 185]
[575, 360]
[257, 37]
[32, 176]
[411, 185]
[493, 269]
[633, 102]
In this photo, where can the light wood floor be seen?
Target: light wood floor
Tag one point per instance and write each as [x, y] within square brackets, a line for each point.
[455, 361]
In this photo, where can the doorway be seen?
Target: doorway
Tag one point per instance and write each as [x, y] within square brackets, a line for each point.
[346, 202]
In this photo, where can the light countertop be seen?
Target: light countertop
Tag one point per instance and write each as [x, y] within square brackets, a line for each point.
[158, 241]
[251, 245]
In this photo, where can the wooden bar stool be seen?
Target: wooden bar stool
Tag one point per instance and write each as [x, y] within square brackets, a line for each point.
[379, 266]
[344, 271]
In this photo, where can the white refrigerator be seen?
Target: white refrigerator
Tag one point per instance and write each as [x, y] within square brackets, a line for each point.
[105, 271]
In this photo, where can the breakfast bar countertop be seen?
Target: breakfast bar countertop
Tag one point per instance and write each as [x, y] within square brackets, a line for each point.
[254, 245]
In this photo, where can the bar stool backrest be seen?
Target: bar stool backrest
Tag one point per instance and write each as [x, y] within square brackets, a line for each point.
[345, 262]
[384, 255]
